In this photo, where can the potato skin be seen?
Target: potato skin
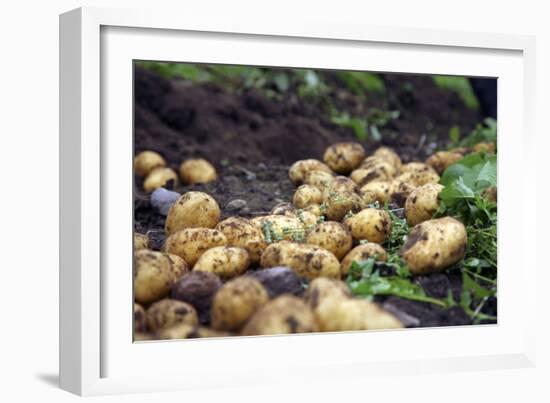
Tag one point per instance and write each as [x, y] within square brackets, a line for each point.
[236, 302]
[422, 203]
[307, 261]
[420, 177]
[146, 161]
[382, 164]
[178, 265]
[341, 203]
[379, 191]
[140, 319]
[283, 315]
[242, 233]
[282, 227]
[197, 170]
[282, 209]
[141, 241]
[175, 332]
[191, 243]
[306, 195]
[198, 289]
[332, 236]
[192, 210]
[343, 184]
[158, 177]
[389, 155]
[400, 190]
[371, 224]
[434, 245]
[362, 176]
[322, 180]
[224, 261]
[363, 252]
[344, 157]
[484, 147]
[153, 276]
[297, 171]
[322, 288]
[441, 160]
[169, 312]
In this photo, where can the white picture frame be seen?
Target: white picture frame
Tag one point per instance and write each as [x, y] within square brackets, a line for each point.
[96, 49]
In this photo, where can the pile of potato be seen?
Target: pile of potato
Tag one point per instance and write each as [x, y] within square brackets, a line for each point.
[282, 272]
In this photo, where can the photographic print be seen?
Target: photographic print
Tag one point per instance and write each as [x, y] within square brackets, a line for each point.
[273, 201]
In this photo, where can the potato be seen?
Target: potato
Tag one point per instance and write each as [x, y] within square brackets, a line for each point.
[192, 210]
[400, 190]
[224, 261]
[379, 319]
[169, 312]
[198, 289]
[341, 203]
[306, 195]
[441, 160]
[362, 176]
[414, 166]
[484, 147]
[242, 233]
[389, 155]
[308, 220]
[371, 224]
[363, 252]
[422, 203]
[153, 276]
[322, 288]
[279, 280]
[141, 241]
[344, 157]
[191, 243]
[283, 315]
[435, 245]
[140, 319]
[159, 177]
[236, 302]
[490, 194]
[298, 170]
[280, 227]
[315, 209]
[419, 178]
[175, 332]
[332, 236]
[381, 164]
[282, 209]
[197, 170]
[178, 265]
[343, 184]
[319, 179]
[203, 332]
[379, 191]
[142, 336]
[307, 261]
[146, 161]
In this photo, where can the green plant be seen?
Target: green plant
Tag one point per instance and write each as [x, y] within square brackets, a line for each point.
[461, 86]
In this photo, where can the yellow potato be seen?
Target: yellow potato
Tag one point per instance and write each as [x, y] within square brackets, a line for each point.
[344, 157]
[379, 191]
[242, 233]
[159, 177]
[299, 169]
[197, 170]
[315, 209]
[343, 184]
[389, 155]
[169, 312]
[422, 203]
[177, 331]
[224, 261]
[153, 276]
[236, 302]
[141, 241]
[191, 243]
[322, 288]
[307, 261]
[280, 227]
[420, 177]
[371, 224]
[485, 147]
[282, 209]
[178, 265]
[192, 210]
[362, 176]
[342, 203]
[363, 252]
[306, 195]
[146, 161]
[380, 163]
[308, 220]
[319, 179]
[441, 160]
[332, 236]
[400, 190]
[140, 319]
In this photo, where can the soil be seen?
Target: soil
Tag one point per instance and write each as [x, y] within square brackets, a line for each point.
[252, 139]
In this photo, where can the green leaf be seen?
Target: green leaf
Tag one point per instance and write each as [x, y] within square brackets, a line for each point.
[454, 134]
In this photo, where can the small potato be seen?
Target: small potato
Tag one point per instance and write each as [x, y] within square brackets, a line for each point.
[158, 178]
[191, 243]
[197, 170]
[192, 210]
[143, 336]
[298, 170]
[435, 245]
[283, 315]
[178, 265]
[363, 252]
[319, 179]
[322, 288]
[224, 261]
[362, 176]
[236, 302]
[141, 241]
[280, 227]
[382, 164]
[203, 332]
[344, 157]
[153, 276]
[307, 261]
[169, 312]
[400, 190]
[198, 289]
[441, 160]
[140, 319]
[146, 161]
[342, 203]
[379, 191]
[175, 332]
[371, 224]
[389, 155]
[306, 195]
[308, 220]
[343, 184]
[242, 233]
[282, 209]
[379, 319]
[332, 236]
[422, 203]
[315, 209]
[419, 178]
[485, 147]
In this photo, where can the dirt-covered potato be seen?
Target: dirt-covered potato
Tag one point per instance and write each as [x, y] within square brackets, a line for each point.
[141, 241]
[441, 160]
[146, 161]
[342, 203]
[297, 171]
[197, 170]
[175, 332]
[322, 180]
[332, 236]
[280, 227]
[374, 163]
[224, 261]
[435, 245]
[236, 302]
[322, 288]
[315, 209]
[389, 155]
[399, 191]
[308, 219]
[371, 224]
[282, 208]
[192, 210]
[362, 176]
[242, 233]
[158, 178]
[363, 252]
[379, 191]
[308, 261]
[169, 312]
[197, 289]
[283, 315]
[191, 243]
[178, 265]
[422, 203]
[203, 332]
[153, 276]
[419, 178]
[344, 157]
[379, 319]
[306, 195]
[342, 184]
[485, 147]
[279, 280]
[140, 319]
